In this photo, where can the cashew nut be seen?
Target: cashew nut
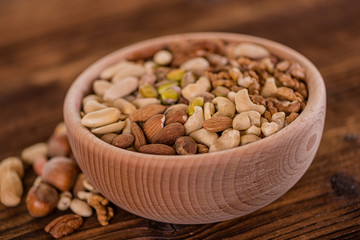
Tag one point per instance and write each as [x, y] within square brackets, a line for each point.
[83, 195]
[163, 57]
[88, 186]
[231, 96]
[279, 119]
[269, 128]
[124, 106]
[269, 65]
[250, 50]
[224, 107]
[196, 65]
[195, 121]
[204, 136]
[244, 104]
[235, 73]
[149, 67]
[193, 89]
[249, 138]
[29, 154]
[245, 81]
[253, 130]
[142, 102]
[244, 120]
[209, 110]
[230, 138]
[262, 120]
[269, 88]
[64, 201]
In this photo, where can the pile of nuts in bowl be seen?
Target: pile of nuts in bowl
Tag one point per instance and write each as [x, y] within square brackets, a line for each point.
[194, 96]
[59, 185]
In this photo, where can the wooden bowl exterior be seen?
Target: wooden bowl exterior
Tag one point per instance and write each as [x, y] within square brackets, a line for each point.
[199, 188]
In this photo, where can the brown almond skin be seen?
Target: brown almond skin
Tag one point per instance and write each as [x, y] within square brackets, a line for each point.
[176, 116]
[185, 145]
[41, 200]
[217, 123]
[169, 134]
[144, 113]
[124, 140]
[157, 149]
[139, 137]
[153, 125]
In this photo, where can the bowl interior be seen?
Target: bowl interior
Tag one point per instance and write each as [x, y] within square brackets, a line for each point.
[199, 188]
[82, 86]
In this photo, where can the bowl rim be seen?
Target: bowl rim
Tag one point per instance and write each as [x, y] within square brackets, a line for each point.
[315, 101]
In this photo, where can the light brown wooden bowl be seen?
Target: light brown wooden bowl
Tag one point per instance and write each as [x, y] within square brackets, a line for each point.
[200, 188]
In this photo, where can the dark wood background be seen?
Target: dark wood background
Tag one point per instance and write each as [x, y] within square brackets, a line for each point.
[45, 44]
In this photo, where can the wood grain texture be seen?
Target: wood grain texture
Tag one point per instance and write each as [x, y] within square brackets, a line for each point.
[45, 45]
[202, 188]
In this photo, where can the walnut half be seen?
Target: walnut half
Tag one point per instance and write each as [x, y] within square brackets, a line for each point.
[64, 225]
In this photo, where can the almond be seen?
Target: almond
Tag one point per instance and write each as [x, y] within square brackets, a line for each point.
[176, 116]
[158, 149]
[217, 123]
[153, 125]
[169, 134]
[124, 140]
[139, 137]
[144, 113]
[185, 145]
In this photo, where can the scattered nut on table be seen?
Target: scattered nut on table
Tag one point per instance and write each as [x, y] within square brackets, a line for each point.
[55, 180]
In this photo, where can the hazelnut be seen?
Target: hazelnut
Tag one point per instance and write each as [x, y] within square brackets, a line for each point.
[41, 200]
[58, 145]
[61, 172]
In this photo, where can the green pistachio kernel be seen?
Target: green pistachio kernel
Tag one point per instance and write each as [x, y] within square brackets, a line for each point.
[169, 96]
[148, 91]
[176, 74]
[197, 101]
[167, 85]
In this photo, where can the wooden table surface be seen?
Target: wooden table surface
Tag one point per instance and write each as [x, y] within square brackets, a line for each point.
[44, 45]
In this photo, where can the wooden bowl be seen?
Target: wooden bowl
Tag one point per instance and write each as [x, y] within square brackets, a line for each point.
[200, 188]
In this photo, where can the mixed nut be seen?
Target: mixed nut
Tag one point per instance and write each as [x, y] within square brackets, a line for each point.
[59, 185]
[194, 96]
